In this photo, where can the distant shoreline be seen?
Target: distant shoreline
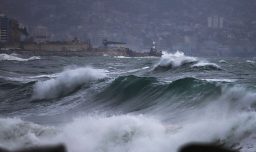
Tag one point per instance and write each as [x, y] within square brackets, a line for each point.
[90, 52]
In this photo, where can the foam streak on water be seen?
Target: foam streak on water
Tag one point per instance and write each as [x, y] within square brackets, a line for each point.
[4, 57]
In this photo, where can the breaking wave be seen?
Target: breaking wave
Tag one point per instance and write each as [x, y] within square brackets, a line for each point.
[178, 59]
[66, 82]
[206, 65]
[228, 117]
[137, 133]
[129, 92]
[133, 113]
[220, 80]
[169, 60]
[250, 61]
[4, 57]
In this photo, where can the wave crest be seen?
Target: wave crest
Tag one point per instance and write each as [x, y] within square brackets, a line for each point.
[132, 93]
[66, 82]
[206, 65]
[172, 60]
[6, 57]
[178, 59]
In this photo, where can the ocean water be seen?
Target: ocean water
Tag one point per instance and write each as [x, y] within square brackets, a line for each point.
[113, 104]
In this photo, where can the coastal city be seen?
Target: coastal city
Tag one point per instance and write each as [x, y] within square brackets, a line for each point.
[127, 75]
[15, 37]
[201, 33]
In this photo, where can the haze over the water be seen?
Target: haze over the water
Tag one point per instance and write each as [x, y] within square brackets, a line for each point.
[201, 27]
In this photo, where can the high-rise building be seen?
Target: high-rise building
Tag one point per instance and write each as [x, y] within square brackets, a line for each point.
[5, 28]
[10, 31]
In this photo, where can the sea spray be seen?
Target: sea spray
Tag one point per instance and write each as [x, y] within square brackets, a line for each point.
[178, 59]
[225, 119]
[250, 61]
[136, 133]
[16, 133]
[66, 82]
[175, 59]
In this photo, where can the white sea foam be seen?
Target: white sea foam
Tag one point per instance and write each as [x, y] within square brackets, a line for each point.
[44, 76]
[66, 82]
[206, 64]
[220, 80]
[175, 59]
[15, 133]
[122, 57]
[13, 57]
[225, 119]
[136, 70]
[26, 79]
[223, 61]
[179, 59]
[136, 133]
[250, 61]
[142, 57]
[21, 79]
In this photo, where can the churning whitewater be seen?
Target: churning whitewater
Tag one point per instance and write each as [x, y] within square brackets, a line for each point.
[113, 104]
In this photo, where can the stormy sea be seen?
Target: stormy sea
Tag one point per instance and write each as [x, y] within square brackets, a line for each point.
[124, 104]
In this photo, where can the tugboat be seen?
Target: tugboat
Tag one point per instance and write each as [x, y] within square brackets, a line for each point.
[154, 52]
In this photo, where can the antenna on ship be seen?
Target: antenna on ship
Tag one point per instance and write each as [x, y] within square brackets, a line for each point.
[154, 45]
[154, 51]
[153, 48]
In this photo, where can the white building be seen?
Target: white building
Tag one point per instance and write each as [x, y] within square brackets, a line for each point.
[41, 34]
[216, 22]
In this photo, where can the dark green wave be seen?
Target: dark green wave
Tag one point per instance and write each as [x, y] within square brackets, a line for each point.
[142, 92]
